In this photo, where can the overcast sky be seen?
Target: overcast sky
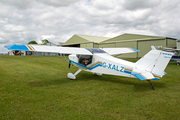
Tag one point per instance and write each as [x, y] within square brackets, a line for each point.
[22, 21]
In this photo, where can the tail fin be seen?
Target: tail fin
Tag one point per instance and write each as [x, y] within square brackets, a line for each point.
[153, 64]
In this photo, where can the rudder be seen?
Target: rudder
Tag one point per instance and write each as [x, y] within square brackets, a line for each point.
[153, 64]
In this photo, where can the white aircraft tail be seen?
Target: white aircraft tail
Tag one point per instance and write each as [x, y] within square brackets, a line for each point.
[152, 65]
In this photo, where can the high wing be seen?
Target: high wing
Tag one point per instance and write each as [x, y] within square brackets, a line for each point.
[70, 50]
[55, 49]
[51, 49]
[113, 51]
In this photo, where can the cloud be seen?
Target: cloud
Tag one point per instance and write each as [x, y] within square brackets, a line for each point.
[57, 20]
[13, 28]
[140, 4]
[21, 4]
[58, 3]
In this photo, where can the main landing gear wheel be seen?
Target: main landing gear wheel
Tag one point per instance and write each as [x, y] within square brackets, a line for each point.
[153, 88]
[97, 74]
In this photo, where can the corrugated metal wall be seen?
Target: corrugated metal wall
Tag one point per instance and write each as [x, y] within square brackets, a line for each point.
[87, 45]
[145, 46]
[171, 43]
[178, 45]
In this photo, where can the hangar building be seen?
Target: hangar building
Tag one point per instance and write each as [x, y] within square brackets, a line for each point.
[84, 41]
[178, 44]
[139, 42]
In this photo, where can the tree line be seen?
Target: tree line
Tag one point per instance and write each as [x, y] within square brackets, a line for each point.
[44, 42]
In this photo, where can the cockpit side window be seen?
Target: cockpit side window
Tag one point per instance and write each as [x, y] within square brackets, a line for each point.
[85, 59]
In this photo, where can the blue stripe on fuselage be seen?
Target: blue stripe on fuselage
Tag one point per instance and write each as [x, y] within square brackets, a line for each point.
[84, 67]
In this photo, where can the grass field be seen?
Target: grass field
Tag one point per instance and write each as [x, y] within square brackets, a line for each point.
[37, 88]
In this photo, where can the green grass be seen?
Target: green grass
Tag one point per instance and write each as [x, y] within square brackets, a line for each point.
[37, 87]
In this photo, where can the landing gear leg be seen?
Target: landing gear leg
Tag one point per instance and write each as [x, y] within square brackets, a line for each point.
[73, 76]
[151, 85]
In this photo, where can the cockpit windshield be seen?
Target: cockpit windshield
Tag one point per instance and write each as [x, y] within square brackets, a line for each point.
[95, 50]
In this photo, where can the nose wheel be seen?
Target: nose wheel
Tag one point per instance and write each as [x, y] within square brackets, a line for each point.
[73, 76]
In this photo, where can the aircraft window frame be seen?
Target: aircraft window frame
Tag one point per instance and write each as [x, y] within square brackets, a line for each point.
[85, 59]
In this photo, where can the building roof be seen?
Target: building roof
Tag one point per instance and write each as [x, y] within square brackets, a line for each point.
[130, 37]
[95, 39]
[77, 39]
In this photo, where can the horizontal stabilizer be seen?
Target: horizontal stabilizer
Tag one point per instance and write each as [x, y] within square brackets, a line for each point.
[143, 75]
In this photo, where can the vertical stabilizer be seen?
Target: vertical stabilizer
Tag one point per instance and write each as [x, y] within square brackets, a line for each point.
[153, 64]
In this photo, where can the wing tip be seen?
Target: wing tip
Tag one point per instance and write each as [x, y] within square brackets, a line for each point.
[134, 49]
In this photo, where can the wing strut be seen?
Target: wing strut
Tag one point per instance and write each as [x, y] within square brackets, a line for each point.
[64, 57]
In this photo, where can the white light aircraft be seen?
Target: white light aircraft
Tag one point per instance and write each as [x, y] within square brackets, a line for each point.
[99, 61]
[176, 56]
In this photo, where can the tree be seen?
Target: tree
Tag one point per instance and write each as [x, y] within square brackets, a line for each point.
[32, 42]
[45, 41]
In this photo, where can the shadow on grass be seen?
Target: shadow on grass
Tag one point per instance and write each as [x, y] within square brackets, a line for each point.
[84, 76]
[136, 83]
[48, 82]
